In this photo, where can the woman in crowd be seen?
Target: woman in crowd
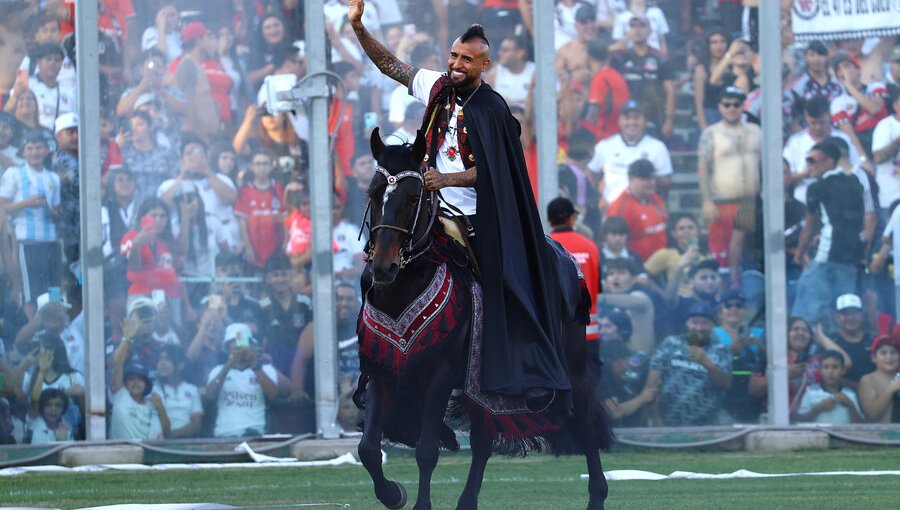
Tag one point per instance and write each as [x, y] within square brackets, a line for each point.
[706, 95]
[272, 34]
[735, 69]
[180, 398]
[148, 247]
[683, 252]
[48, 367]
[150, 163]
[803, 360]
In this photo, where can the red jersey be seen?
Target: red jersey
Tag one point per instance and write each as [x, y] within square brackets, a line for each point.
[299, 229]
[220, 87]
[587, 254]
[609, 91]
[262, 209]
[157, 269]
[646, 222]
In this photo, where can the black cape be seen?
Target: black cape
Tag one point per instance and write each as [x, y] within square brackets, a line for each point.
[522, 329]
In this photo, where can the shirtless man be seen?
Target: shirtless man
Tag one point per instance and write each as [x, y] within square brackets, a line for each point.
[879, 391]
[871, 65]
[572, 59]
[729, 170]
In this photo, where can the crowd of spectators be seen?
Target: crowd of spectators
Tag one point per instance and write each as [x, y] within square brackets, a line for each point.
[206, 219]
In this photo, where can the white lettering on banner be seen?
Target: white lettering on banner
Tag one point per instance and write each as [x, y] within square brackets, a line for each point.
[845, 19]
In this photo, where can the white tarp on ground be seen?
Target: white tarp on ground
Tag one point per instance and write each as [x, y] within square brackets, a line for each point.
[635, 474]
[815, 19]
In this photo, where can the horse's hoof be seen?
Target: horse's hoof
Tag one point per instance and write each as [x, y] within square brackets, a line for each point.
[401, 502]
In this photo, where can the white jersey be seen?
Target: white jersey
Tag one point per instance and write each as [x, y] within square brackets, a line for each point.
[514, 87]
[613, 155]
[52, 101]
[461, 197]
[887, 173]
[133, 420]
[41, 433]
[173, 42]
[400, 99]
[74, 340]
[815, 394]
[63, 382]
[241, 402]
[181, 402]
[795, 152]
[346, 246]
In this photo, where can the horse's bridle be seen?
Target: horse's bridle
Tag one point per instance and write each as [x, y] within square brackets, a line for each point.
[408, 253]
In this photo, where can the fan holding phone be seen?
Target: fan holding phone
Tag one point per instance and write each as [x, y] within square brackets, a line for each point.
[151, 261]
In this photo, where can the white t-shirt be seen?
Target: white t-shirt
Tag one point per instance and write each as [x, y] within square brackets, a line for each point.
[132, 420]
[63, 382]
[41, 433]
[796, 150]
[21, 182]
[514, 87]
[892, 230]
[346, 247]
[613, 155]
[73, 338]
[461, 197]
[52, 101]
[212, 203]
[838, 414]
[67, 76]
[181, 402]
[887, 174]
[400, 99]
[241, 403]
[658, 25]
[173, 42]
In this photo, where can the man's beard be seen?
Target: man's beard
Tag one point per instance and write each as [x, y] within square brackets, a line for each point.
[463, 85]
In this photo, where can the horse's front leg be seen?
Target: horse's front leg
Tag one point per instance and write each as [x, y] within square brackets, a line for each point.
[428, 446]
[391, 494]
[481, 452]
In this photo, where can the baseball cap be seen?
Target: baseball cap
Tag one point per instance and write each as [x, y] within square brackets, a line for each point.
[846, 301]
[817, 47]
[733, 295]
[701, 309]
[65, 121]
[880, 341]
[138, 369]
[840, 58]
[585, 14]
[641, 168]
[238, 331]
[622, 321]
[630, 106]
[559, 209]
[193, 30]
[140, 302]
[735, 92]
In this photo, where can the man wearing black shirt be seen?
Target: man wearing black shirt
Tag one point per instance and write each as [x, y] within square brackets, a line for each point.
[649, 76]
[851, 338]
[835, 211]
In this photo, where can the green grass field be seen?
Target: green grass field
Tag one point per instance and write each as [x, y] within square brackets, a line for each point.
[538, 482]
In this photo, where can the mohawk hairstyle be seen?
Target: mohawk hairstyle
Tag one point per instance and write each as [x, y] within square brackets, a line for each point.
[475, 31]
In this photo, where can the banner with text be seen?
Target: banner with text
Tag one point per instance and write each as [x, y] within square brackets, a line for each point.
[844, 19]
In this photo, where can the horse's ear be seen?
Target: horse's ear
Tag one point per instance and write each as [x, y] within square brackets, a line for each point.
[418, 148]
[376, 144]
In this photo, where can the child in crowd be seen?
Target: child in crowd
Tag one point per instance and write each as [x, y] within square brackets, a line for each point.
[830, 402]
[45, 423]
[181, 399]
[615, 240]
[259, 212]
[134, 415]
[879, 391]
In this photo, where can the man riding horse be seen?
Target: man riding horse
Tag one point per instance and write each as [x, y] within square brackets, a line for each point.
[474, 157]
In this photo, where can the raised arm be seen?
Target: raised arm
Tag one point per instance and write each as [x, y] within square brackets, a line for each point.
[382, 57]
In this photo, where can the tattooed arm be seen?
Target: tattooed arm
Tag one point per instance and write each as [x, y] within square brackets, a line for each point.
[386, 62]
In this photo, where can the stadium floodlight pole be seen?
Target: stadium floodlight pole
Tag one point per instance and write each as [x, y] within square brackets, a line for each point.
[86, 51]
[773, 213]
[545, 121]
[321, 196]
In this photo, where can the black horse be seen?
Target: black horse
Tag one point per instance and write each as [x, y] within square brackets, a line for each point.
[418, 326]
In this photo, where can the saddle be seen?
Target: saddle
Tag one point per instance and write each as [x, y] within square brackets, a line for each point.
[454, 227]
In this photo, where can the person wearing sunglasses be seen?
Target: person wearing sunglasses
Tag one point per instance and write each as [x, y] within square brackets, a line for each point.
[743, 401]
[836, 213]
[729, 170]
